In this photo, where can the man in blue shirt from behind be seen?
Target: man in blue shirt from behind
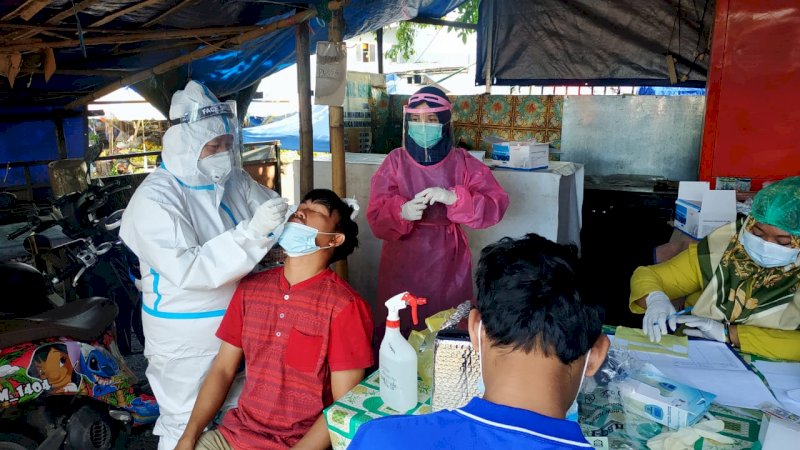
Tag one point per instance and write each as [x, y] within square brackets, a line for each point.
[536, 341]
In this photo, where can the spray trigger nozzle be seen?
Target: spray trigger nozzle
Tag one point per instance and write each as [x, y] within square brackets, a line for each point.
[400, 301]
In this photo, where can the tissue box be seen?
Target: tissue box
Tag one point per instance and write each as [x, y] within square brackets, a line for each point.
[700, 210]
[362, 404]
[651, 395]
[522, 155]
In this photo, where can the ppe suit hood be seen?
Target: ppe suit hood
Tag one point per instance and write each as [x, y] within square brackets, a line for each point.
[184, 142]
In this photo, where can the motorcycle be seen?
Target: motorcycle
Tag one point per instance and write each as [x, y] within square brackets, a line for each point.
[63, 382]
[95, 262]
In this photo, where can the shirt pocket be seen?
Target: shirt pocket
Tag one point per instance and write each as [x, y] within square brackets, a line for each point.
[302, 351]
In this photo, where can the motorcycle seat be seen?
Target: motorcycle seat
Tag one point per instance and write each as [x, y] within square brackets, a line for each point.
[83, 320]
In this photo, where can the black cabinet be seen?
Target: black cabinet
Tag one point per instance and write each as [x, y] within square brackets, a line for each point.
[622, 225]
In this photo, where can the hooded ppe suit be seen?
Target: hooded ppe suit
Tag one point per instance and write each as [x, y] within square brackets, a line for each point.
[429, 257]
[191, 237]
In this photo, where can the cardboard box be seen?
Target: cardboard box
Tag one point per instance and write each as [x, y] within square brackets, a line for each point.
[651, 395]
[778, 434]
[362, 404]
[700, 210]
[521, 155]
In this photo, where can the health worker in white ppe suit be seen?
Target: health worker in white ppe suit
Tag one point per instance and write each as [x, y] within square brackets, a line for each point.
[198, 224]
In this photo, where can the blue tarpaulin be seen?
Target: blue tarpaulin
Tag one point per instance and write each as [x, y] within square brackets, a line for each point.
[287, 130]
[28, 138]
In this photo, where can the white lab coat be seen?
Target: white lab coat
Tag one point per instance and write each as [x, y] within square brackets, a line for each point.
[192, 241]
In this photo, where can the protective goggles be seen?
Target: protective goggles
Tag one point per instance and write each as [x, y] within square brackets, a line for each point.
[219, 109]
[429, 99]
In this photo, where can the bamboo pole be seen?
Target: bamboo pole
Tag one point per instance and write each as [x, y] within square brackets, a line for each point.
[197, 54]
[169, 12]
[27, 9]
[336, 115]
[131, 37]
[120, 13]
[336, 119]
[304, 103]
[59, 17]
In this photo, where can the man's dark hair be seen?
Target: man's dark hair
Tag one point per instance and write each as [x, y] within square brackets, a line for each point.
[528, 298]
[345, 225]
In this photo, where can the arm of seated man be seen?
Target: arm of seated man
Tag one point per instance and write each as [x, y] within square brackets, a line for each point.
[341, 383]
[212, 394]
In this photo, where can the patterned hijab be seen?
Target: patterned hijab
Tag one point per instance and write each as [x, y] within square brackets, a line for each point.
[742, 288]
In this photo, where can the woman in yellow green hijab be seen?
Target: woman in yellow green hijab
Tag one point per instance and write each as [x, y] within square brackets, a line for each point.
[741, 281]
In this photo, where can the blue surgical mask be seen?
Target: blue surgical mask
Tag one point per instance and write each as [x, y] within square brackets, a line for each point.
[767, 254]
[299, 240]
[426, 135]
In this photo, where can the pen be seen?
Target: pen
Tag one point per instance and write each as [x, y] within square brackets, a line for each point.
[686, 310]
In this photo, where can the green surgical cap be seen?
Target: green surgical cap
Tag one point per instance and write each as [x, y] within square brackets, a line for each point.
[779, 205]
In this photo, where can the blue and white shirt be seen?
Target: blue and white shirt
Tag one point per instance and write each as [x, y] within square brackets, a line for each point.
[478, 425]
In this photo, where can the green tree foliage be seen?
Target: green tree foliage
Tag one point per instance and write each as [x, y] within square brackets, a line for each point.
[406, 31]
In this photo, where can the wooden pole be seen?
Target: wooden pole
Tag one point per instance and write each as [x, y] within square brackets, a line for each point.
[61, 139]
[380, 50]
[336, 119]
[197, 54]
[304, 102]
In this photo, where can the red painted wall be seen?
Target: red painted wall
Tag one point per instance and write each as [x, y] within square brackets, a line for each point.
[752, 122]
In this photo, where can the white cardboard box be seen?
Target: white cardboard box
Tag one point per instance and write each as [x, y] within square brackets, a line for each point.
[700, 210]
[522, 155]
[777, 434]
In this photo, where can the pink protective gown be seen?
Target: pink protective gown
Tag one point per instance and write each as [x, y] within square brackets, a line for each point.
[429, 258]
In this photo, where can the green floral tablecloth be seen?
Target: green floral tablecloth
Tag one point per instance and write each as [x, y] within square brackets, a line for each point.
[363, 403]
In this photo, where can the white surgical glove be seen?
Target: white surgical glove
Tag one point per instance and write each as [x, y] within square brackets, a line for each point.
[703, 328]
[659, 311]
[437, 194]
[412, 209]
[269, 216]
[353, 203]
[685, 437]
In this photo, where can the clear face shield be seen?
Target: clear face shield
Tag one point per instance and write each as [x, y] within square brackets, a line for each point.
[221, 153]
[422, 125]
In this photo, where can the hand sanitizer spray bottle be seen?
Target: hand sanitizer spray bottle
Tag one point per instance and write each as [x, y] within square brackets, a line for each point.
[397, 358]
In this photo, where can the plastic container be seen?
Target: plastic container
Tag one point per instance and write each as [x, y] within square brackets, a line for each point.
[397, 358]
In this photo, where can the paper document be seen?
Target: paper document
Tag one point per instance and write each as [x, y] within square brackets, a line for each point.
[713, 367]
[634, 339]
[784, 380]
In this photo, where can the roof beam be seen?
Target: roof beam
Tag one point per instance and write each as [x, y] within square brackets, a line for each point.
[183, 4]
[444, 23]
[197, 54]
[27, 9]
[55, 20]
[130, 37]
[135, 7]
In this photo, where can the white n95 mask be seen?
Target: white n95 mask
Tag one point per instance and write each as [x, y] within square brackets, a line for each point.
[767, 254]
[216, 166]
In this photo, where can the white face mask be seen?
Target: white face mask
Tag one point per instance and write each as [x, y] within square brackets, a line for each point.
[767, 254]
[216, 166]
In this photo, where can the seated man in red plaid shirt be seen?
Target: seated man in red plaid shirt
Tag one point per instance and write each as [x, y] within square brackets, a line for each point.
[304, 333]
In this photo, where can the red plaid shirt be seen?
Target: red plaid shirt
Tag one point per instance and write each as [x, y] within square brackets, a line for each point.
[293, 337]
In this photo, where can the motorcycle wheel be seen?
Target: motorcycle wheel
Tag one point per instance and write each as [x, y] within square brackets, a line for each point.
[88, 429]
[16, 441]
